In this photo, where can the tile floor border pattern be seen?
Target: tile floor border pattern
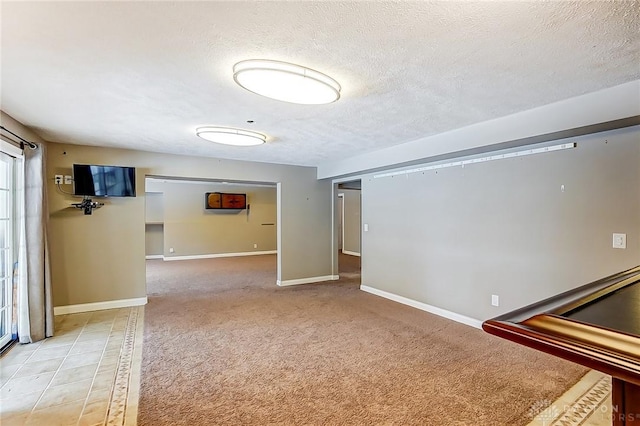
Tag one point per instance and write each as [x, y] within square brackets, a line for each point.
[119, 396]
[587, 403]
[133, 395]
[590, 403]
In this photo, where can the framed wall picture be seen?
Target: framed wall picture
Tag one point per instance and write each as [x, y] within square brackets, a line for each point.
[226, 201]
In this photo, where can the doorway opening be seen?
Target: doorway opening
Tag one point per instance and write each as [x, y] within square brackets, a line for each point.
[348, 220]
[183, 223]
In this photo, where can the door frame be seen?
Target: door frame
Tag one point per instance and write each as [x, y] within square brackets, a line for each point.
[14, 158]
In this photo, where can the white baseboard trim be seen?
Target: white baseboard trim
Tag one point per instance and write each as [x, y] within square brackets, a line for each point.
[98, 306]
[424, 307]
[309, 280]
[350, 253]
[154, 256]
[211, 256]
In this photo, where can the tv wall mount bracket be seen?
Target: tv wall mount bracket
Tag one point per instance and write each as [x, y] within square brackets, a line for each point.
[87, 205]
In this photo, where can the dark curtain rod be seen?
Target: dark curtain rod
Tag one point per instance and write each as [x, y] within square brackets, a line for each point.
[22, 140]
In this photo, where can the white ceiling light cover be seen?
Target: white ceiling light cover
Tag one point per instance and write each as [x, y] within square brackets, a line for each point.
[231, 136]
[286, 82]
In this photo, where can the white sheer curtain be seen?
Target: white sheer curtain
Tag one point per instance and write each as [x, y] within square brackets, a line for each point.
[35, 306]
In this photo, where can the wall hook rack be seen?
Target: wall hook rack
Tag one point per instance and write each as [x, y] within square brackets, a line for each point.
[88, 205]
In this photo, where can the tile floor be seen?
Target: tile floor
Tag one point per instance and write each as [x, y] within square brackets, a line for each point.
[87, 374]
[587, 403]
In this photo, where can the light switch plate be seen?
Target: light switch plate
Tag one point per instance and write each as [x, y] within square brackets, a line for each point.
[366, 227]
[620, 241]
[495, 300]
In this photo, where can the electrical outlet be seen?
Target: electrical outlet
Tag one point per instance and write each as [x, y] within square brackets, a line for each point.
[68, 180]
[495, 300]
[171, 250]
[620, 241]
[58, 179]
[255, 246]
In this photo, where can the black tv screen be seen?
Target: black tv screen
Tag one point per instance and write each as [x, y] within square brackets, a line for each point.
[104, 181]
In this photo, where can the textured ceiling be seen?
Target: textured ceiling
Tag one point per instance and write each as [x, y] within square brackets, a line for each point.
[143, 75]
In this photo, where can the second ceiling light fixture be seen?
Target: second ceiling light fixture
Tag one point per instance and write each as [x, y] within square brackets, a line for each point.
[276, 80]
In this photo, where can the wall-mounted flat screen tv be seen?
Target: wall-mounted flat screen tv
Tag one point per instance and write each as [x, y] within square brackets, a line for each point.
[104, 181]
[220, 200]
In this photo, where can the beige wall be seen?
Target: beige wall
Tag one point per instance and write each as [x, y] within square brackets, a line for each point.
[453, 237]
[154, 223]
[154, 205]
[154, 239]
[102, 257]
[190, 229]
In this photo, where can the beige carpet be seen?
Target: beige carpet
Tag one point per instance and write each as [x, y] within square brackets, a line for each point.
[224, 345]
